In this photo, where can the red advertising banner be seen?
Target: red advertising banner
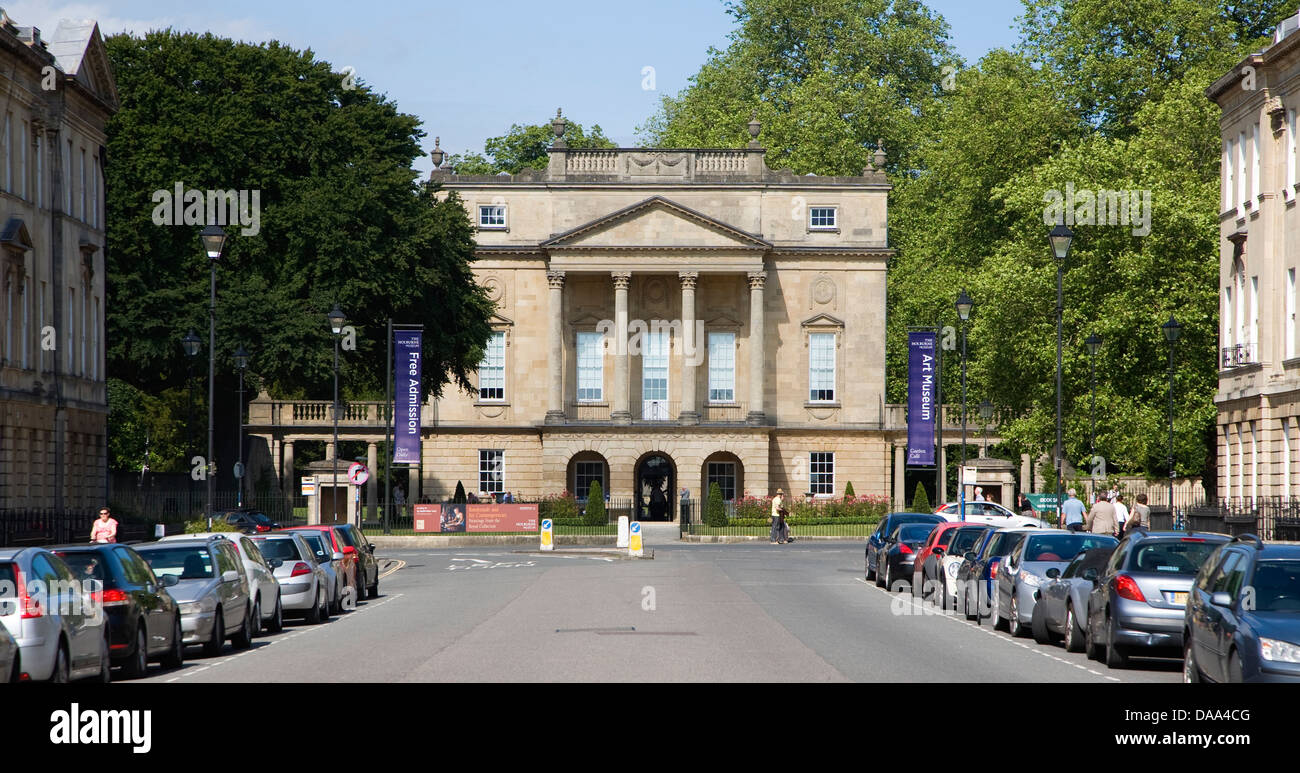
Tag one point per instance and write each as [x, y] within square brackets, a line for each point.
[481, 518]
[502, 517]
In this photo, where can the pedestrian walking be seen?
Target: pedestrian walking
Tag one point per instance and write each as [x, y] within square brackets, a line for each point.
[1140, 517]
[778, 518]
[1121, 514]
[1025, 507]
[1101, 518]
[399, 501]
[104, 528]
[1072, 512]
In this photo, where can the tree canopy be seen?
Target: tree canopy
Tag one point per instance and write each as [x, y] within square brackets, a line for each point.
[525, 147]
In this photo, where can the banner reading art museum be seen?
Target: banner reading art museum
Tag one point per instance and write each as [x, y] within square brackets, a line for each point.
[406, 400]
[921, 353]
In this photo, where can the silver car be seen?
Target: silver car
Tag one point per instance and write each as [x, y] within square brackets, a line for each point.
[268, 611]
[304, 583]
[331, 561]
[1025, 571]
[1062, 608]
[8, 657]
[60, 632]
[213, 591]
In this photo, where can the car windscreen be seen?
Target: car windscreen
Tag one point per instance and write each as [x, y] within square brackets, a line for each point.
[86, 565]
[1277, 585]
[1063, 547]
[283, 549]
[913, 532]
[1171, 556]
[965, 540]
[187, 563]
[347, 537]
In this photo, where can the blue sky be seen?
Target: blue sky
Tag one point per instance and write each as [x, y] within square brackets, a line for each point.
[469, 70]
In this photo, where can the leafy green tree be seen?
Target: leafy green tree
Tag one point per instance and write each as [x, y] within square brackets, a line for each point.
[595, 513]
[920, 499]
[848, 490]
[715, 511]
[525, 147]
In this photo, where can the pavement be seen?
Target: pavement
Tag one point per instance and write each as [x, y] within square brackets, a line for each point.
[696, 613]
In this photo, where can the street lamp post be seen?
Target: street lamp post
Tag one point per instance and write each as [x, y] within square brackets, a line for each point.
[1060, 238]
[1094, 345]
[213, 238]
[191, 344]
[336, 320]
[986, 413]
[1172, 329]
[241, 362]
[964, 305]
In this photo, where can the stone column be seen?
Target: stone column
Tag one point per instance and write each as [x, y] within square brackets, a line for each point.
[900, 476]
[691, 348]
[1026, 474]
[620, 413]
[287, 476]
[555, 350]
[757, 348]
[329, 450]
[372, 485]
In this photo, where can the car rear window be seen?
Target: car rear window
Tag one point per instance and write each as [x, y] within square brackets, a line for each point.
[914, 531]
[283, 549]
[317, 542]
[965, 540]
[1170, 556]
[192, 563]
[87, 566]
[1277, 585]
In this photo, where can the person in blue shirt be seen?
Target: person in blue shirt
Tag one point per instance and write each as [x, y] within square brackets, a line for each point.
[1072, 512]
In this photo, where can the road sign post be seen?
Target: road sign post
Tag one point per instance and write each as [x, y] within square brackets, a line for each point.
[548, 540]
[634, 540]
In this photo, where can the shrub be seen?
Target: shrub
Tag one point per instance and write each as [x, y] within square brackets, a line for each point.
[459, 497]
[596, 515]
[920, 500]
[715, 512]
[200, 525]
[848, 491]
[560, 508]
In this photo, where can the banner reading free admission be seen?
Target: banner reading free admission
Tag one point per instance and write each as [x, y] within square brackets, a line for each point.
[921, 352]
[406, 400]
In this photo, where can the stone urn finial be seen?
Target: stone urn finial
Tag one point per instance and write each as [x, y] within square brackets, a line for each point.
[437, 154]
[754, 128]
[558, 126]
[878, 160]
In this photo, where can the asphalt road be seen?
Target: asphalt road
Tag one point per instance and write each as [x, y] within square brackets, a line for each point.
[747, 612]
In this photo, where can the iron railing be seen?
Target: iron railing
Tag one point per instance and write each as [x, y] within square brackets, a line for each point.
[1236, 356]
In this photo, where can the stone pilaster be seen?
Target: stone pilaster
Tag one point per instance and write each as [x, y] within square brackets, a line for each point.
[620, 413]
[690, 349]
[757, 348]
[555, 350]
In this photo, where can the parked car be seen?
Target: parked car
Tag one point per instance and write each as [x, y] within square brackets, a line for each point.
[1062, 608]
[899, 553]
[9, 665]
[144, 621]
[978, 574]
[212, 591]
[304, 584]
[330, 560]
[966, 538]
[1242, 622]
[1025, 570]
[887, 526]
[268, 607]
[348, 567]
[367, 566]
[925, 568]
[991, 513]
[1140, 600]
[60, 634]
[248, 520]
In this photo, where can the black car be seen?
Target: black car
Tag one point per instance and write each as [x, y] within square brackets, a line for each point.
[887, 526]
[143, 619]
[247, 520]
[1242, 622]
[367, 566]
[898, 555]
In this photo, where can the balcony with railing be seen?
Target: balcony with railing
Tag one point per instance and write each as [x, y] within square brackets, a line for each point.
[1237, 356]
[654, 412]
[316, 413]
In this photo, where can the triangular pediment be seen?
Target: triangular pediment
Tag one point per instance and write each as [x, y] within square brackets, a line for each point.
[822, 320]
[656, 222]
[79, 50]
[496, 320]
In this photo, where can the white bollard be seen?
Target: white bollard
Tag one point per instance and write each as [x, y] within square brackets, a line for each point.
[622, 532]
[548, 538]
[634, 541]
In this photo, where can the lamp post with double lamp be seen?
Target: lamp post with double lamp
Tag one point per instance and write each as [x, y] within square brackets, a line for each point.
[1093, 342]
[213, 238]
[336, 319]
[1172, 329]
[986, 413]
[190, 342]
[241, 362]
[964, 305]
[1060, 238]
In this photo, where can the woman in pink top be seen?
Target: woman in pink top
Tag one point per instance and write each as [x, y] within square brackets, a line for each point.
[105, 529]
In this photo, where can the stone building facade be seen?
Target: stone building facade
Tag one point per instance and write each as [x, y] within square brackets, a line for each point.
[53, 397]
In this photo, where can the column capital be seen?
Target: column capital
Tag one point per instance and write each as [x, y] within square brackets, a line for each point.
[621, 279]
[757, 279]
[689, 278]
[555, 279]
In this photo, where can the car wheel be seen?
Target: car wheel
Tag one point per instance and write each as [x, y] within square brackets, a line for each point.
[1090, 647]
[1073, 633]
[314, 615]
[972, 612]
[60, 673]
[999, 622]
[1191, 671]
[871, 573]
[256, 619]
[1014, 626]
[139, 662]
[1234, 669]
[175, 656]
[244, 639]
[336, 606]
[106, 663]
[1038, 624]
[217, 642]
[880, 573]
[277, 620]
[1116, 655]
[373, 591]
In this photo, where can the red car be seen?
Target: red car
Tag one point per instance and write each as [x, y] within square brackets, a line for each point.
[348, 567]
[925, 572]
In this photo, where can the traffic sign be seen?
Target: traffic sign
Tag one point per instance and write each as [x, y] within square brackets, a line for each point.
[548, 541]
[634, 540]
[358, 474]
[308, 485]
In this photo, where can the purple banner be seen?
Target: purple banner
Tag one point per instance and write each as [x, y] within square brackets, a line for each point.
[406, 399]
[921, 353]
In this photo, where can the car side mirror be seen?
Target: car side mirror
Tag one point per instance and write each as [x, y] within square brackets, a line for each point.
[337, 556]
[969, 555]
[1221, 599]
[1053, 573]
[230, 576]
[370, 546]
[168, 580]
[1090, 575]
[938, 551]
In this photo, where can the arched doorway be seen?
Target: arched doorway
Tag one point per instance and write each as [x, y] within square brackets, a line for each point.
[656, 483]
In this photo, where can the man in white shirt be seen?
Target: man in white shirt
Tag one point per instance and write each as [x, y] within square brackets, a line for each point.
[1121, 512]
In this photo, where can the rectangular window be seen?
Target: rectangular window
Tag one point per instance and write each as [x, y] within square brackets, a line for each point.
[654, 374]
[1289, 318]
[591, 367]
[1254, 319]
[1227, 317]
[821, 217]
[26, 323]
[40, 323]
[723, 474]
[1254, 162]
[94, 343]
[40, 172]
[11, 321]
[22, 160]
[9, 153]
[492, 471]
[821, 367]
[1290, 153]
[82, 189]
[85, 333]
[1241, 172]
[492, 216]
[821, 473]
[71, 338]
[1229, 181]
[586, 473]
[722, 367]
[67, 179]
[492, 371]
